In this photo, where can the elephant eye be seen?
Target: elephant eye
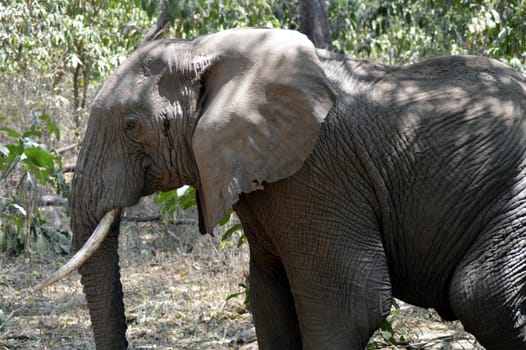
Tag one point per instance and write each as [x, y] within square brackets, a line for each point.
[130, 123]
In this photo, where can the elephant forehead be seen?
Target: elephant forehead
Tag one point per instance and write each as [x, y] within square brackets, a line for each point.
[136, 81]
[126, 88]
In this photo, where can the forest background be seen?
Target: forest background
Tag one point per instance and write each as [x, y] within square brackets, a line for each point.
[54, 55]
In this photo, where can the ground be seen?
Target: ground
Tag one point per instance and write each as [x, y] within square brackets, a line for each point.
[176, 285]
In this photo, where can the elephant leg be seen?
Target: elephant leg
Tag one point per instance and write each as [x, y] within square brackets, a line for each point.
[272, 304]
[271, 300]
[488, 289]
[342, 290]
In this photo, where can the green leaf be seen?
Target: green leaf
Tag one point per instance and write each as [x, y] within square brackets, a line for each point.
[166, 196]
[51, 125]
[39, 157]
[242, 240]
[228, 233]
[29, 133]
[245, 291]
[226, 219]
[15, 151]
[387, 327]
[187, 199]
[42, 175]
[11, 132]
[233, 295]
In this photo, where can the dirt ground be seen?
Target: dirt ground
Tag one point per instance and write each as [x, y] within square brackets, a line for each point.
[176, 285]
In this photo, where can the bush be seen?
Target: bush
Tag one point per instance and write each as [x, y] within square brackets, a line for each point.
[404, 31]
[25, 164]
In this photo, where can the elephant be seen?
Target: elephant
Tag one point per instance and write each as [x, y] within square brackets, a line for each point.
[355, 182]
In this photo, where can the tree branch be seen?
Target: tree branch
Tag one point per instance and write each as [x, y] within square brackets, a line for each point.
[159, 26]
[157, 218]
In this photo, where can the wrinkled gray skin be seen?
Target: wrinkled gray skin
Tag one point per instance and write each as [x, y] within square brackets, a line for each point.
[405, 182]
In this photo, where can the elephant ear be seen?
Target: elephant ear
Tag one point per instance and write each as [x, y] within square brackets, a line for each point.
[265, 96]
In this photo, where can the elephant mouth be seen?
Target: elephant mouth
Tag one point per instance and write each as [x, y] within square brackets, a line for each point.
[92, 244]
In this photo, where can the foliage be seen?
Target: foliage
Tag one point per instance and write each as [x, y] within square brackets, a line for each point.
[170, 201]
[30, 163]
[191, 18]
[38, 163]
[245, 292]
[388, 333]
[403, 31]
[53, 51]
[53, 54]
[184, 198]
[229, 233]
[55, 37]
[399, 31]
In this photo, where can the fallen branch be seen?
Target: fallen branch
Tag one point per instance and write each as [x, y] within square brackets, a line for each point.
[20, 337]
[434, 341]
[67, 148]
[68, 168]
[51, 201]
[245, 337]
[157, 218]
[421, 344]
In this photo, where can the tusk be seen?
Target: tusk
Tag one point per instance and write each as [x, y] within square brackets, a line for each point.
[87, 250]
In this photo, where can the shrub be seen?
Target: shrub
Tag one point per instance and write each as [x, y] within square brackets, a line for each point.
[25, 164]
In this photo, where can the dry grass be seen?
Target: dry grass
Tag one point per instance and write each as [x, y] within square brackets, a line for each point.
[175, 283]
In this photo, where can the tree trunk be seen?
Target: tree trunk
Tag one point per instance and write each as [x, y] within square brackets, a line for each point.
[314, 23]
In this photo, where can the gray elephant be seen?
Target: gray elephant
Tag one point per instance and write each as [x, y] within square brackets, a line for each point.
[355, 182]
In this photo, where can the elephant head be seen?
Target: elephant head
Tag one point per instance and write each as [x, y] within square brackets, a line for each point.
[224, 113]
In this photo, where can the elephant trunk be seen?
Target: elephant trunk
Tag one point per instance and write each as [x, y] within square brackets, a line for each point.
[90, 200]
[100, 273]
[100, 277]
